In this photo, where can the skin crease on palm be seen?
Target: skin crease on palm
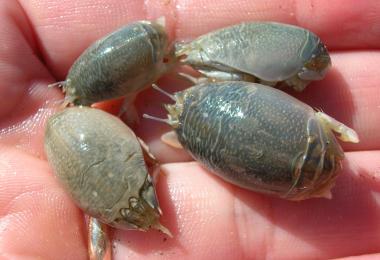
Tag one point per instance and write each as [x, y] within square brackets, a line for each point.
[40, 39]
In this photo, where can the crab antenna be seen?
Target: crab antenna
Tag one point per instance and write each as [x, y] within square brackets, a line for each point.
[167, 121]
[57, 84]
[172, 97]
[190, 78]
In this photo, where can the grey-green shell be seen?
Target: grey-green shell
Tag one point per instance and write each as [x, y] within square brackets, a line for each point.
[271, 52]
[119, 64]
[254, 136]
[100, 163]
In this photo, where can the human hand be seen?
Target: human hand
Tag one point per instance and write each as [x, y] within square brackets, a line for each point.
[208, 217]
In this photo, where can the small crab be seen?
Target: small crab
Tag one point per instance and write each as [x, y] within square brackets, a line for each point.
[100, 163]
[258, 137]
[120, 65]
[264, 52]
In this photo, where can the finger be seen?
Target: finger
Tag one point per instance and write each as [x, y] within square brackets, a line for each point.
[65, 29]
[37, 219]
[23, 92]
[211, 219]
[350, 94]
[19, 65]
[338, 23]
[361, 257]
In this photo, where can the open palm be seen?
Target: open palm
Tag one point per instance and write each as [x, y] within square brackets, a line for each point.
[40, 39]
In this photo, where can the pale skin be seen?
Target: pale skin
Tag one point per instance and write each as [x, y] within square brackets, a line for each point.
[39, 40]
